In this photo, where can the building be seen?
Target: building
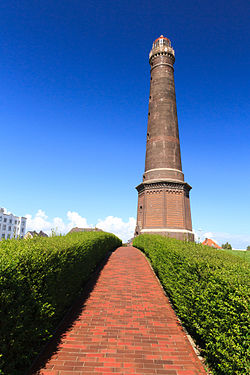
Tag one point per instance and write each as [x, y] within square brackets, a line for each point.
[76, 229]
[11, 226]
[32, 234]
[163, 196]
[209, 242]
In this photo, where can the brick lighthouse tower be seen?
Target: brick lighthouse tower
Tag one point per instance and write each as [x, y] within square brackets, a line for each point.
[163, 196]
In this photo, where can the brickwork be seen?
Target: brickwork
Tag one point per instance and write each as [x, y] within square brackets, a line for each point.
[155, 201]
[126, 326]
[140, 210]
[163, 146]
[188, 213]
[154, 213]
[164, 205]
[175, 211]
[157, 208]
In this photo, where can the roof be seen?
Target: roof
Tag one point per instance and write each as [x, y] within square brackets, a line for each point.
[33, 233]
[42, 234]
[209, 242]
[161, 37]
[76, 229]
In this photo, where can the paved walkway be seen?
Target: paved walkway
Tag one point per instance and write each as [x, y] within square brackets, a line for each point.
[126, 326]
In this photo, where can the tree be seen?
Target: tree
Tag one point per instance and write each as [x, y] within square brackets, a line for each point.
[248, 248]
[226, 246]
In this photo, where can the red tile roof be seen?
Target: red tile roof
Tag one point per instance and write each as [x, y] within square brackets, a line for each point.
[209, 242]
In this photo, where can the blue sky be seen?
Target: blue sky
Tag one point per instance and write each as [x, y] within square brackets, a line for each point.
[74, 101]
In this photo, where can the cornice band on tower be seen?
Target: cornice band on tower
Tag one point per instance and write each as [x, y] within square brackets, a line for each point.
[161, 64]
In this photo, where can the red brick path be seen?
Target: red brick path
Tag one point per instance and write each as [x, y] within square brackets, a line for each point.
[126, 326]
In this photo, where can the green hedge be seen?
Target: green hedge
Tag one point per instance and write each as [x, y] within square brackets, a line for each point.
[39, 279]
[210, 291]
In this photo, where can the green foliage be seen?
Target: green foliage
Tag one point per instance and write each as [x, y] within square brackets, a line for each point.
[39, 279]
[242, 254]
[226, 246]
[210, 291]
[248, 248]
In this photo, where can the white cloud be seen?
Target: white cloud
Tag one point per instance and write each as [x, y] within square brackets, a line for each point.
[124, 230]
[116, 225]
[77, 220]
[41, 222]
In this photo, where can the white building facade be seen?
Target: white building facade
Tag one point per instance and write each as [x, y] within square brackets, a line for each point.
[11, 226]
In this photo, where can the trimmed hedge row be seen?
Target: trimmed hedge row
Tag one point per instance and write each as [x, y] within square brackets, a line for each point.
[39, 279]
[210, 291]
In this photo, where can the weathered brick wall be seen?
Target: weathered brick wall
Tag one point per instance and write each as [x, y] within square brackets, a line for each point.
[188, 213]
[140, 210]
[164, 208]
[154, 210]
[163, 146]
[175, 209]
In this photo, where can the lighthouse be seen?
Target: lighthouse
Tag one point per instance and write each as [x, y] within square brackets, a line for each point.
[163, 195]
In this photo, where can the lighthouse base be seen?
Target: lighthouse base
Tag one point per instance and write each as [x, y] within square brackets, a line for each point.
[164, 208]
[183, 235]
